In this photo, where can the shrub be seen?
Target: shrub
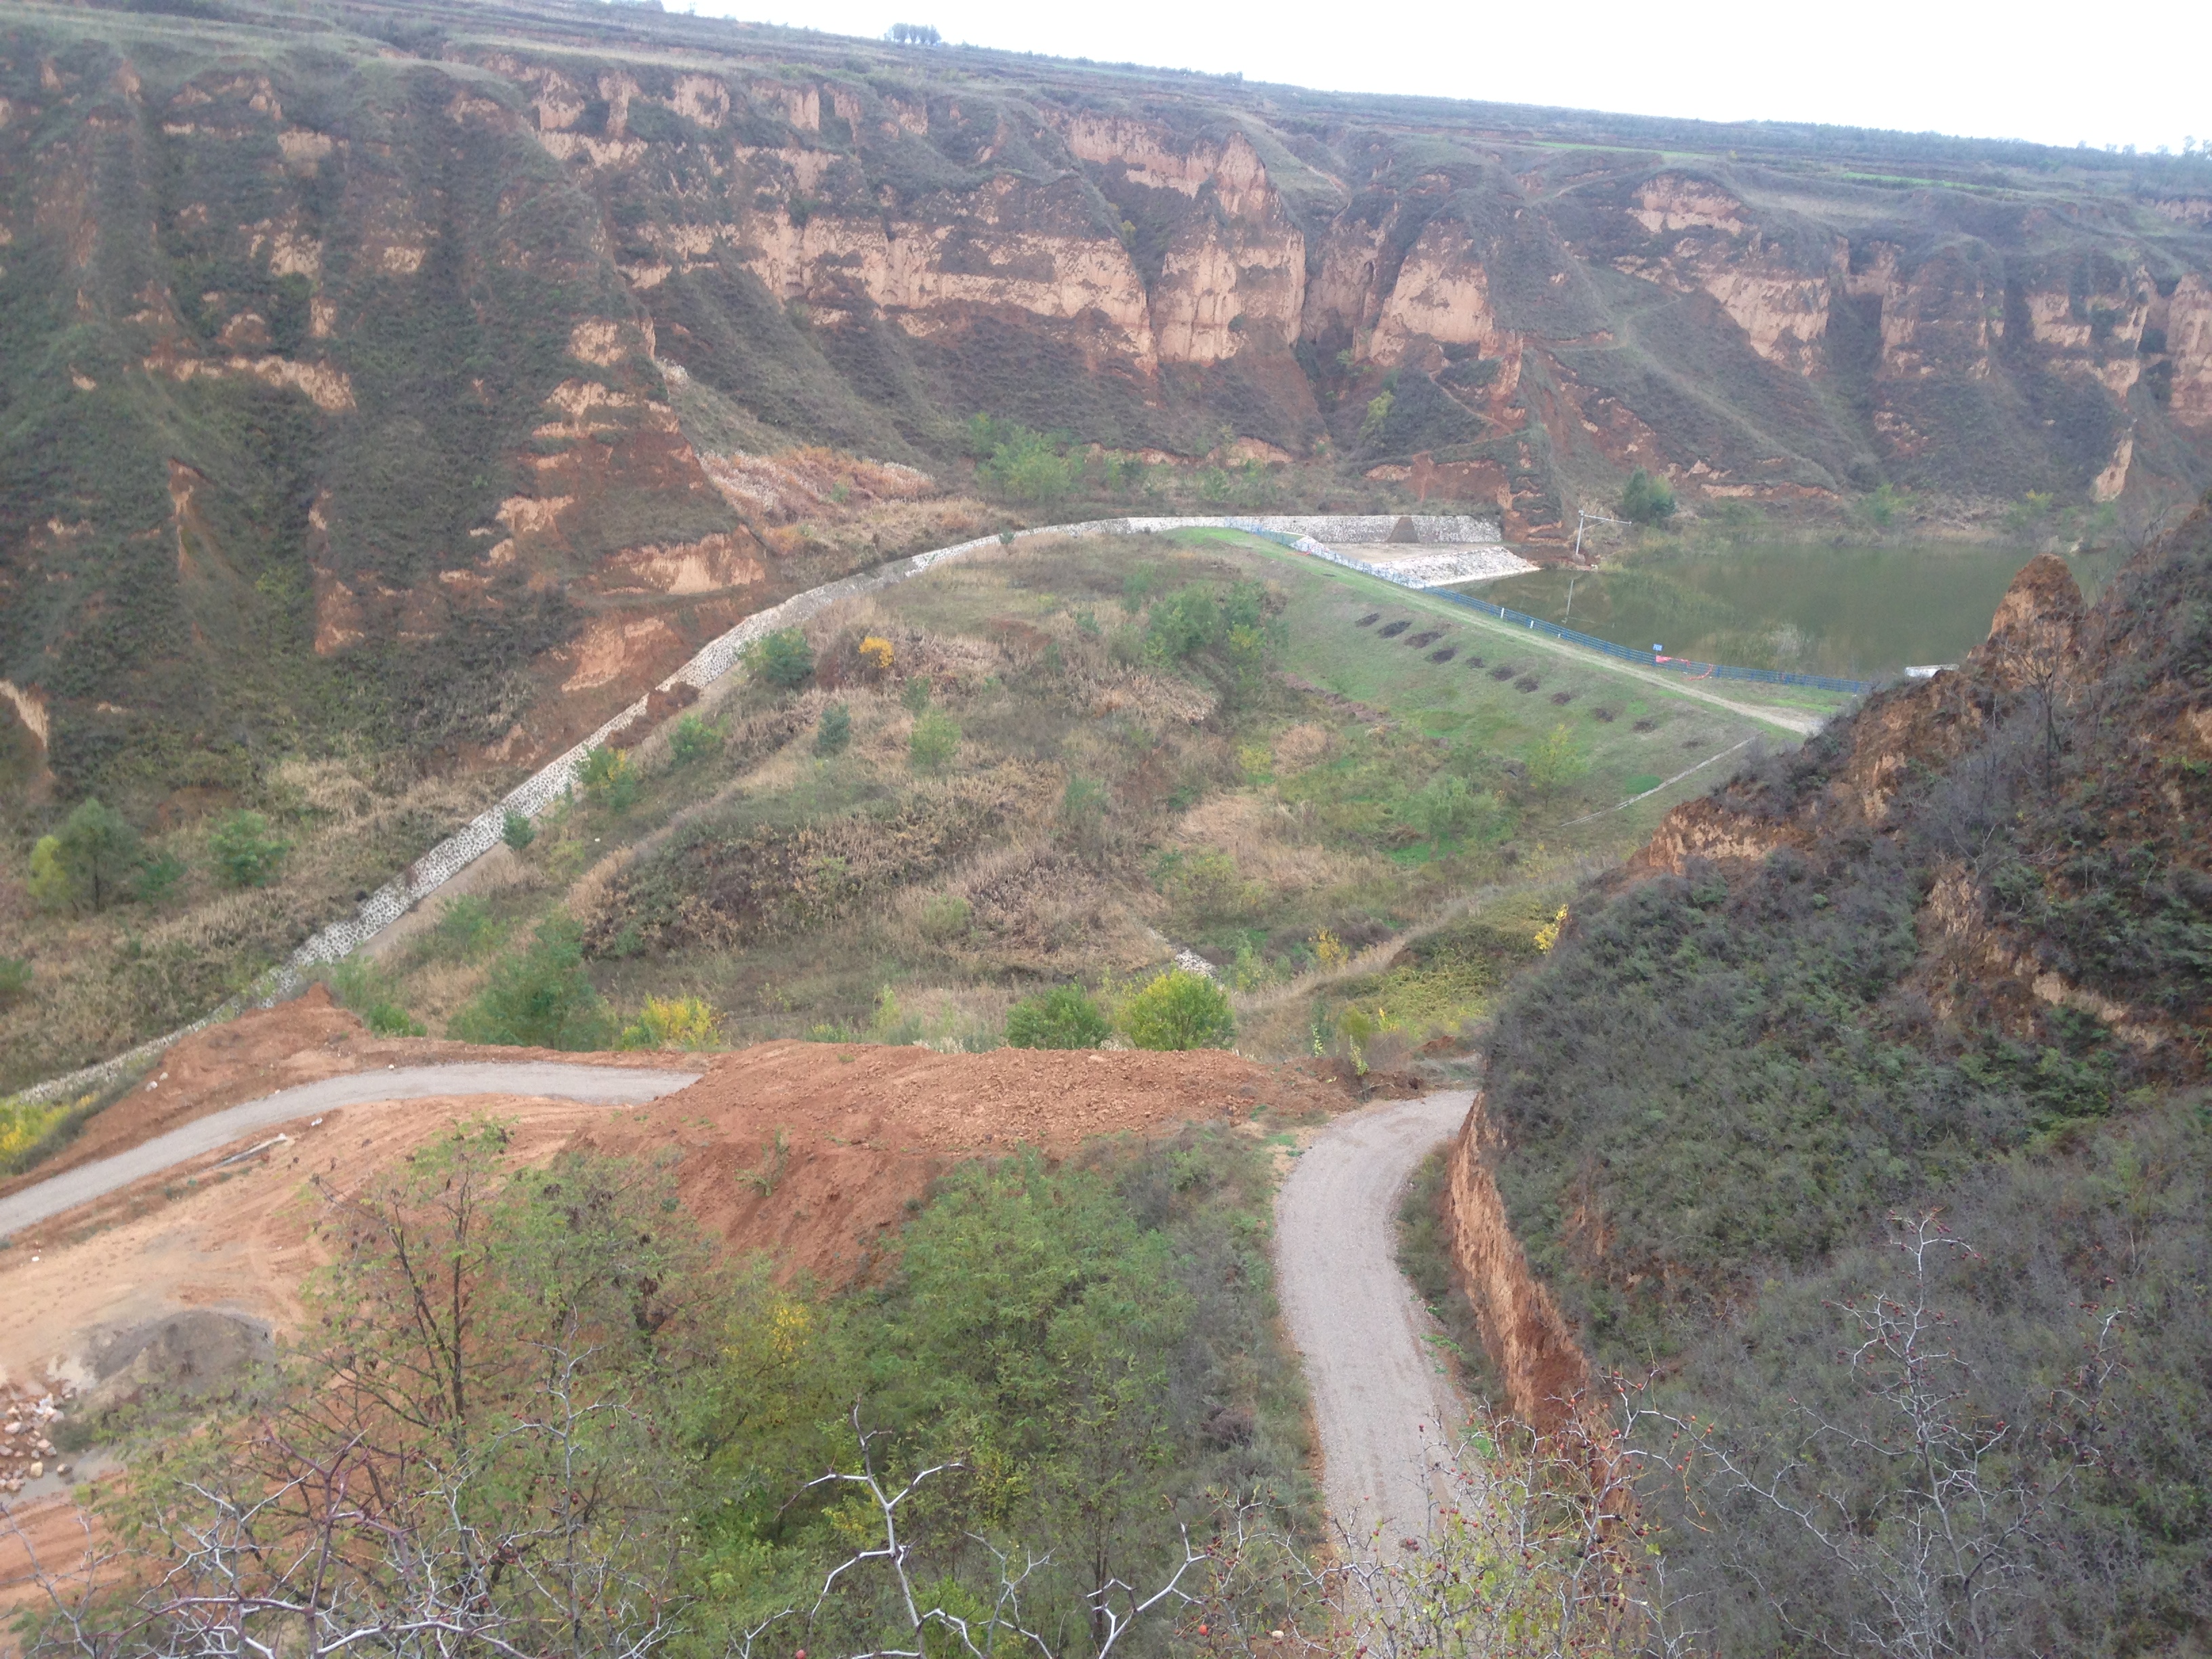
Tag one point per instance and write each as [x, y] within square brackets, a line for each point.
[1647, 500]
[692, 739]
[934, 741]
[246, 851]
[26, 1129]
[1556, 762]
[517, 831]
[15, 977]
[914, 694]
[1067, 1017]
[608, 779]
[1028, 466]
[1208, 885]
[463, 930]
[945, 917]
[541, 998]
[360, 985]
[834, 730]
[1180, 1010]
[158, 877]
[87, 861]
[1082, 807]
[783, 658]
[877, 656]
[672, 1023]
[1445, 807]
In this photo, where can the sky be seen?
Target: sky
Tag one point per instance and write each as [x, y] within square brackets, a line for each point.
[2134, 74]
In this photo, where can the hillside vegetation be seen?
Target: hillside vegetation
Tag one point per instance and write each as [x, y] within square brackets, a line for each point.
[1869, 1108]
[1055, 764]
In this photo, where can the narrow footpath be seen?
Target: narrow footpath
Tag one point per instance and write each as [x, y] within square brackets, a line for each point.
[1384, 1404]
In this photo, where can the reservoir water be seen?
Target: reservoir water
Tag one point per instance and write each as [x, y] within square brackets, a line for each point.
[1858, 611]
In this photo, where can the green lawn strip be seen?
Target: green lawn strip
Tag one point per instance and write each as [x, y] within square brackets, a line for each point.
[1799, 702]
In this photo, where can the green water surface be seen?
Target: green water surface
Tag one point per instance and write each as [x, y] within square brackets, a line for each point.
[1857, 611]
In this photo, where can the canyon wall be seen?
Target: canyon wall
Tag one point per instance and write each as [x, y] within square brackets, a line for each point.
[438, 352]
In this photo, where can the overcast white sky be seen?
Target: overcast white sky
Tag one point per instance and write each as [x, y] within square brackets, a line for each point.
[2127, 74]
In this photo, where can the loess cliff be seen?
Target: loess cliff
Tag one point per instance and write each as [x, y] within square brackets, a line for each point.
[445, 373]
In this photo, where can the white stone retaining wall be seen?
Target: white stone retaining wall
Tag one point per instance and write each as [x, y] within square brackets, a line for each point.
[538, 793]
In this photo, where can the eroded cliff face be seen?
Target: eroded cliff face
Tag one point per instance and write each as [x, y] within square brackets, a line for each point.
[410, 312]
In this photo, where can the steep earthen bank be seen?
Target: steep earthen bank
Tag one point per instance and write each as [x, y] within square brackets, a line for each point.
[1524, 1333]
[2049, 672]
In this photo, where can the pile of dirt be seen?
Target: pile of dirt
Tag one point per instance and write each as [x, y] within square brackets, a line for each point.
[813, 1151]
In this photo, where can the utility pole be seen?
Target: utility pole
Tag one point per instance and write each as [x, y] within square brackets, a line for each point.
[1583, 518]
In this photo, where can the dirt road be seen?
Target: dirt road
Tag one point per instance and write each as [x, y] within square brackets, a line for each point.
[607, 1085]
[1381, 1396]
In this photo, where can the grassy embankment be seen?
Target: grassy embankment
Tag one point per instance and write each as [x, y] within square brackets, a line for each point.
[1345, 825]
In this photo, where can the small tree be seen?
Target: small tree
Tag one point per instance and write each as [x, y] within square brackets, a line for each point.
[934, 741]
[157, 877]
[1067, 1017]
[834, 730]
[88, 861]
[1180, 1010]
[246, 850]
[517, 831]
[1647, 500]
[784, 658]
[692, 739]
[914, 693]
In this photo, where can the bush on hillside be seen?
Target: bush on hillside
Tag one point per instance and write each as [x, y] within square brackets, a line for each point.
[361, 986]
[783, 658]
[834, 730]
[157, 877]
[540, 998]
[934, 741]
[1065, 1017]
[1557, 760]
[672, 1023]
[1180, 1010]
[692, 739]
[610, 781]
[246, 851]
[1647, 500]
[517, 831]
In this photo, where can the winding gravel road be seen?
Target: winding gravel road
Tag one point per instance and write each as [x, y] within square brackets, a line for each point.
[1382, 1398]
[609, 1085]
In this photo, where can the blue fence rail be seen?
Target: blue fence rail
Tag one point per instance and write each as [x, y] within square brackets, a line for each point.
[1696, 670]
